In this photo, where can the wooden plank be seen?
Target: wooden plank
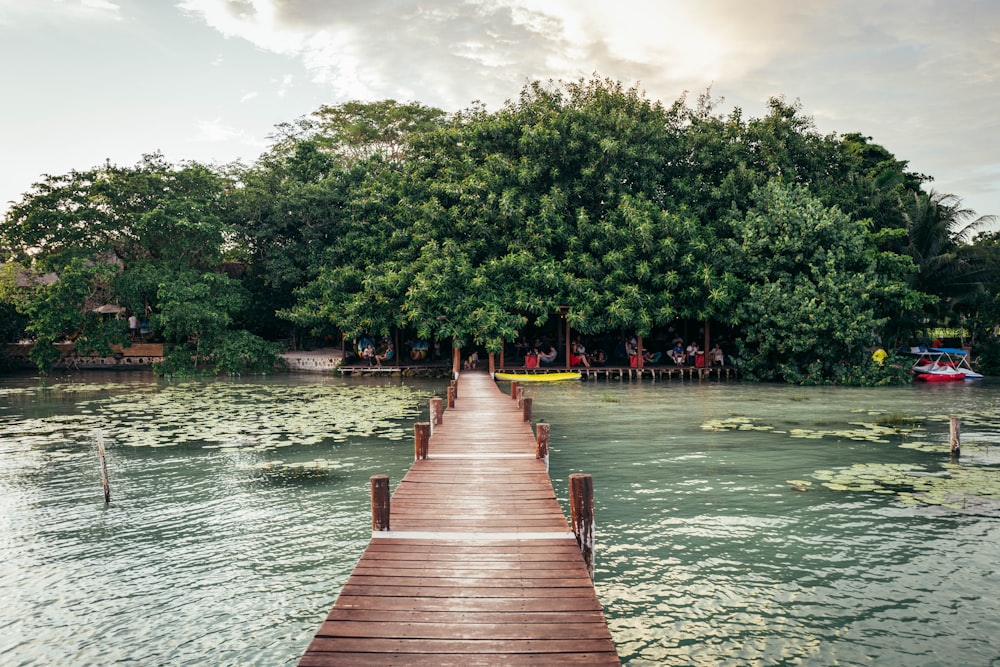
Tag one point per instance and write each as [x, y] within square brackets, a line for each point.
[408, 645]
[311, 659]
[463, 631]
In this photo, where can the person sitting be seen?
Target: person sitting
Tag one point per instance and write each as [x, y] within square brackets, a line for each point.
[677, 353]
[531, 358]
[649, 357]
[578, 355]
[472, 361]
[368, 353]
[692, 353]
[716, 357]
[548, 357]
[386, 354]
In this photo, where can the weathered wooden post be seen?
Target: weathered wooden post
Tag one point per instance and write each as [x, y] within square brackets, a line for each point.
[493, 363]
[526, 409]
[437, 413]
[421, 440]
[380, 502]
[955, 437]
[105, 483]
[454, 385]
[513, 389]
[451, 397]
[542, 443]
[581, 506]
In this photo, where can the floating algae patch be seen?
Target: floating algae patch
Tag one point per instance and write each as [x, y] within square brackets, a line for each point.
[861, 431]
[955, 487]
[316, 468]
[249, 417]
[735, 423]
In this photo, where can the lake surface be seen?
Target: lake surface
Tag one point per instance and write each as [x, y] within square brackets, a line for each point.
[240, 507]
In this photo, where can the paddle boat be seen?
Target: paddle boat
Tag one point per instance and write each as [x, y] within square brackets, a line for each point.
[957, 359]
[928, 366]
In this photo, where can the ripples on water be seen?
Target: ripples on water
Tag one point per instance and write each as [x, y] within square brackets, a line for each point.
[200, 559]
[705, 554]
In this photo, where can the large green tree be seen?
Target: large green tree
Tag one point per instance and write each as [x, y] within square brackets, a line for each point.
[133, 235]
[815, 288]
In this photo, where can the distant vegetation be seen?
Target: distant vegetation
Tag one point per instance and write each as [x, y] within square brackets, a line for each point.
[366, 218]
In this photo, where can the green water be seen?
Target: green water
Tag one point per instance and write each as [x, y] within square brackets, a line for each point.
[239, 508]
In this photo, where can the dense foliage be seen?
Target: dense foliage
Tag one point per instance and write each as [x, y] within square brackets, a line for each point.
[584, 198]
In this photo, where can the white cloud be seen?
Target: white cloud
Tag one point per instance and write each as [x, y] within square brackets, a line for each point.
[285, 85]
[100, 5]
[215, 131]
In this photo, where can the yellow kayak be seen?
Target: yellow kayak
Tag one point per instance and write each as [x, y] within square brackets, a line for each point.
[538, 377]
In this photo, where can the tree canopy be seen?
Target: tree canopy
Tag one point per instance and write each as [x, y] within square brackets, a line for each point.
[585, 198]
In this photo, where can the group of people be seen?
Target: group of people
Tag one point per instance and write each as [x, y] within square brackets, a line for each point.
[683, 356]
[546, 353]
[375, 357]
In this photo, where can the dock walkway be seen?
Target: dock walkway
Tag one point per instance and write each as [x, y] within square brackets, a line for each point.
[479, 566]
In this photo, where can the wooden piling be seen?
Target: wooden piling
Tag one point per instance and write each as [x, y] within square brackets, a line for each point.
[955, 436]
[380, 502]
[437, 413]
[526, 409]
[105, 482]
[451, 397]
[520, 397]
[421, 438]
[513, 389]
[454, 388]
[542, 443]
[581, 505]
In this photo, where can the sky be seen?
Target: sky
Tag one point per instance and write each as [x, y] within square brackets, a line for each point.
[83, 82]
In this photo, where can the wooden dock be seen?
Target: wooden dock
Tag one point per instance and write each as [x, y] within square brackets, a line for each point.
[479, 565]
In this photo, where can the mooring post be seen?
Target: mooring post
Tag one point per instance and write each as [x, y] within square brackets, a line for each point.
[526, 409]
[454, 385]
[542, 443]
[105, 483]
[955, 439]
[380, 502]
[513, 389]
[520, 397]
[581, 505]
[451, 397]
[437, 413]
[421, 439]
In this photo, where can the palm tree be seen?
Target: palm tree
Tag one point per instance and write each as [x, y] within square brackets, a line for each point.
[940, 233]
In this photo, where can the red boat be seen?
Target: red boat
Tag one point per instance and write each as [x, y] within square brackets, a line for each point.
[928, 367]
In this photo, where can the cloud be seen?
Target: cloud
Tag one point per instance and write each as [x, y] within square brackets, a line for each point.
[922, 77]
[284, 85]
[215, 131]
